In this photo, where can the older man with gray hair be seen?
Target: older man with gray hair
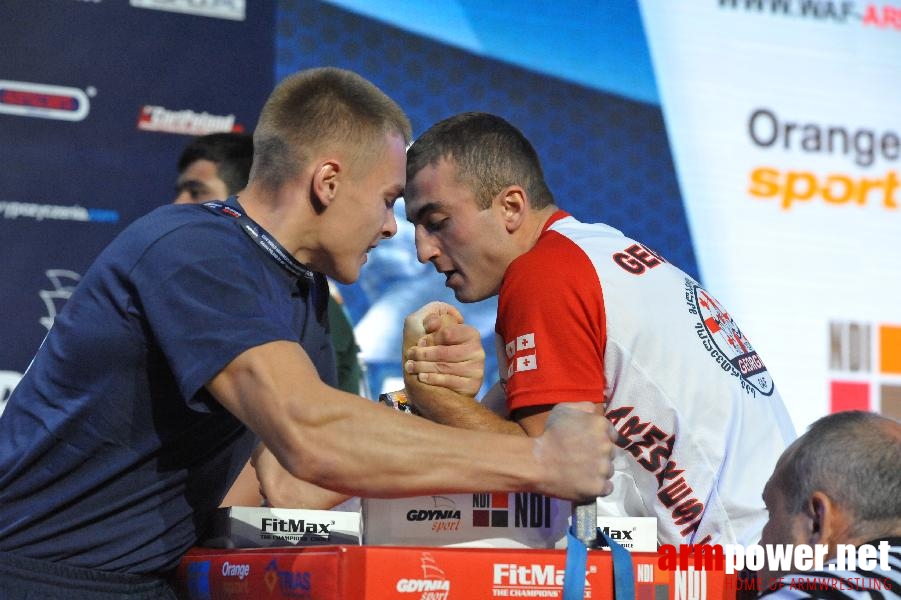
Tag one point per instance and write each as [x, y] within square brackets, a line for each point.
[838, 484]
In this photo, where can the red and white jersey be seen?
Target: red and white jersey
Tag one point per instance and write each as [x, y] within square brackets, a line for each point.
[589, 314]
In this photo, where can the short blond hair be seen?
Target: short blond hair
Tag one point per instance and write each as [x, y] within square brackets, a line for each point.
[318, 107]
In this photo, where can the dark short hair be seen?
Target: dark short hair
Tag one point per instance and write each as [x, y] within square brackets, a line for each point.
[490, 154]
[315, 108]
[854, 457]
[232, 153]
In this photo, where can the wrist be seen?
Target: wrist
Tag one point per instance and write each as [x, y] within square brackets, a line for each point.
[543, 471]
[539, 471]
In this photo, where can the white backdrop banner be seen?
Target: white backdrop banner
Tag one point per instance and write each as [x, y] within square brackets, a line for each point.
[784, 117]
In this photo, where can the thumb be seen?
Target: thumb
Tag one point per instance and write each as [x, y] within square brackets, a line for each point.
[435, 321]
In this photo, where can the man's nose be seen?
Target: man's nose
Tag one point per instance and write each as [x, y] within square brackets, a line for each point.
[426, 248]
[389, 227]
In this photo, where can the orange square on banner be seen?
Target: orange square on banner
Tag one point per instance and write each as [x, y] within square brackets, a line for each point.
[890, 349]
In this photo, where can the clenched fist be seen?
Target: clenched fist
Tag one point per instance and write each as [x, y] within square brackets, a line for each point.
[441, 350]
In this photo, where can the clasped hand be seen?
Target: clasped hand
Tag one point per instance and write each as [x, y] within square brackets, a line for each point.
[441, 350]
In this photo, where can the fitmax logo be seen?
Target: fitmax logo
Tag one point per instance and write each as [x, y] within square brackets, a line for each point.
[618, 534]
[511, 574]
[295, 526]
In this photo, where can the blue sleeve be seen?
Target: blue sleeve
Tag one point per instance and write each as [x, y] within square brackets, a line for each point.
[207, 295]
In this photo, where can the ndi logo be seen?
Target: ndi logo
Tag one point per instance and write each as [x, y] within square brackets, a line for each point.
[690, 584]
[490, 510]
[529, 510]
[865, 366]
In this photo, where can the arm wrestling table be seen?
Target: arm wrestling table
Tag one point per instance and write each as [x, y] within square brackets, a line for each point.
[417, 573]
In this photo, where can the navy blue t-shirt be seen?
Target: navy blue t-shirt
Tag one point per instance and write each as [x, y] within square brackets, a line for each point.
[111, 447]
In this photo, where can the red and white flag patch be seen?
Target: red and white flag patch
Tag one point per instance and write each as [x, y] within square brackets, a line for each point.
[525, 342]
[521, 354]
[526, 363]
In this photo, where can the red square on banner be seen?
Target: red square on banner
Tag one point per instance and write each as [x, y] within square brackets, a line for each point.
[500, 500]
[849, 395]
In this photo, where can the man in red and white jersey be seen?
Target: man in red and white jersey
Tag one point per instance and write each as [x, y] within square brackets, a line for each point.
[585, 313]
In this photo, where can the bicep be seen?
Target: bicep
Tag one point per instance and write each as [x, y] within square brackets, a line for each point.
[260, 385]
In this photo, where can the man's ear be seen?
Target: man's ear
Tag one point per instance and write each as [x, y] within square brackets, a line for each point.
[827, 522]
[813, 517]
[514, 205]
[324, 185]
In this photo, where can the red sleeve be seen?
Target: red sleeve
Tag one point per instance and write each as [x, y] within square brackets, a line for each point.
[551, 321]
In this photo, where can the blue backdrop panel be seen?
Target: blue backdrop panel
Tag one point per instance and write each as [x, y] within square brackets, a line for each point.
[78, 76]
[606, 157]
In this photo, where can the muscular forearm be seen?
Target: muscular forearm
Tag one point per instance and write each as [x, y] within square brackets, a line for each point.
[348, 444]
[450, 408]
[374, 451]
[351, 445]
[283, 490]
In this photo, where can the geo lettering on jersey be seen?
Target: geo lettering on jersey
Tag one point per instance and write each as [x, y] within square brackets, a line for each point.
[525, 342]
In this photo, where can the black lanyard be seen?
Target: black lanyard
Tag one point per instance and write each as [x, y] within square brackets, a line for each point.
[265, 241]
